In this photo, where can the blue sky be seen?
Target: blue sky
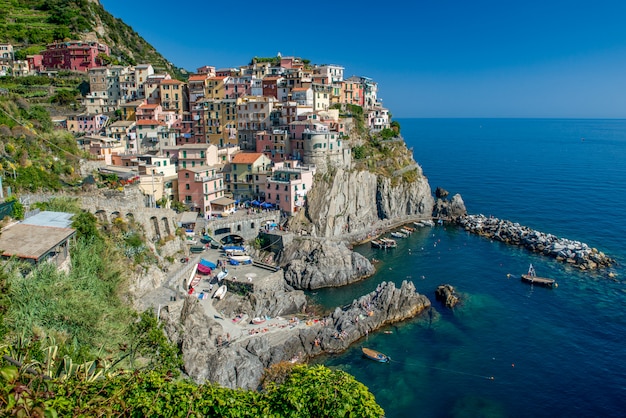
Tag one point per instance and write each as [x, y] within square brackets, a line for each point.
[433, 58]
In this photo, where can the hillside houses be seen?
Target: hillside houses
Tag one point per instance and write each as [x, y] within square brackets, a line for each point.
[230, 134]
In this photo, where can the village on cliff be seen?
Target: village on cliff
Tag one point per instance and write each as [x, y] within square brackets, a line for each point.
[239, 149]
[254, 133]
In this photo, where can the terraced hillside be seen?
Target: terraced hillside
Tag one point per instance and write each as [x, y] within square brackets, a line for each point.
[31, 24]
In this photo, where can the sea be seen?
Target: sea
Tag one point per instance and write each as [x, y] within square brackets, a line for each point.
[509, 349]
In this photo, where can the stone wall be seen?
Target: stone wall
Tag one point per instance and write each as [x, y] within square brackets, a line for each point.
[247, 226]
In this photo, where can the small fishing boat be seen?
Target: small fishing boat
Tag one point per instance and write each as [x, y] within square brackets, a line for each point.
[240, 259]
[389, 243]
[196, 249]
[195, 281]
[531, 277]
[374, 355]
[220, 292]
[377, 244]
[258, 320]
[221, 275]
[398, 234]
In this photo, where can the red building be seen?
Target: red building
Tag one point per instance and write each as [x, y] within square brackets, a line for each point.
[73, 55]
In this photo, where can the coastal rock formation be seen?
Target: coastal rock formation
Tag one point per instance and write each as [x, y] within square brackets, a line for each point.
[275, 297]
[240, 363]
[385, 305]
[311, 263]
[575, 253]
[448, 209]
[350, 202]
[446, 294]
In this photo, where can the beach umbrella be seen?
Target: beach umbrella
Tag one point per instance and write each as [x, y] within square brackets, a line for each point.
[255, 202]
[266, 205]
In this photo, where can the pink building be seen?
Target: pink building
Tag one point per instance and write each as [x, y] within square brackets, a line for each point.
[35, 63]
[86, 123]
[275, 144]
[288, 185]
[148, 111]
[74, 55]
[199, 186]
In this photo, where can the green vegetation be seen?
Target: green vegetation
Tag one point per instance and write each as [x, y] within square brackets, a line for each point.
[383, 154]
[32, 24]
[91, 389]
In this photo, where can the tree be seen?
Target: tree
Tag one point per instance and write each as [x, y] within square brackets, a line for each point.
[86, 225]
[64, 97]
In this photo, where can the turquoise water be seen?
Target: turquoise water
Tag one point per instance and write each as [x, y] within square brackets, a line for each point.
[551, 352]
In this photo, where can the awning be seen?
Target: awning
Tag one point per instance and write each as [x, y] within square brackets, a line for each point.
[188, 217]
[222, 201]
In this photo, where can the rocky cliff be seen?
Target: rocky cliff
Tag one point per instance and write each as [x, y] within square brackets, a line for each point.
[349, 202]
[240, 363]
[311, 263]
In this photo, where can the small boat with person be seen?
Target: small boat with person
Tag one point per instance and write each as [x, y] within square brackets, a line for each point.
[374, 355]
[532, 278]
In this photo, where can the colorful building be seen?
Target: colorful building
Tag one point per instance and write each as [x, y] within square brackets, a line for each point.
[73, 55]
[248, 171]
[288, 185]
[199, 186]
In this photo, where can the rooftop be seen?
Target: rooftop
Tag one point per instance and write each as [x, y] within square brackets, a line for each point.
[32, 241]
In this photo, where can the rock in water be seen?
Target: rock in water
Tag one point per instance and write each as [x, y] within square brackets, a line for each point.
[446, 294]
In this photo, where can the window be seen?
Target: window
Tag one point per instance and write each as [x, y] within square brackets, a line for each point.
[187, 186]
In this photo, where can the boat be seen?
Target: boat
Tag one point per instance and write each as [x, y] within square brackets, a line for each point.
[408, 228]
[389, 243]
[258, 320]
[398, 234]
[196, 248]
[222, 274]
[234, 250]
[406, 231]
[532, 278]
[203, 269]
[195, 281]
[240, 259]
[220, 292]
[374, 355]
[377, 244]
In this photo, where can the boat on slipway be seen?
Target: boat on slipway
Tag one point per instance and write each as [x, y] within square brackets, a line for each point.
[222, 275]
[374, 355]
[220, 292]
[532, 278]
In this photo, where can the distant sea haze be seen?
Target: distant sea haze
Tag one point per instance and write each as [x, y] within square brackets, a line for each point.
[551, 352]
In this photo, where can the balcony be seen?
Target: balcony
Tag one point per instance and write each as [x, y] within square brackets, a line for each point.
[208, 178]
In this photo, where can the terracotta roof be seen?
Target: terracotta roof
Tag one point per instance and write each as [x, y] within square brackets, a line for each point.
[145, 122]
[198, 77]
[246, 157]
[300, 88]
[149, 106]
[172, 81]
